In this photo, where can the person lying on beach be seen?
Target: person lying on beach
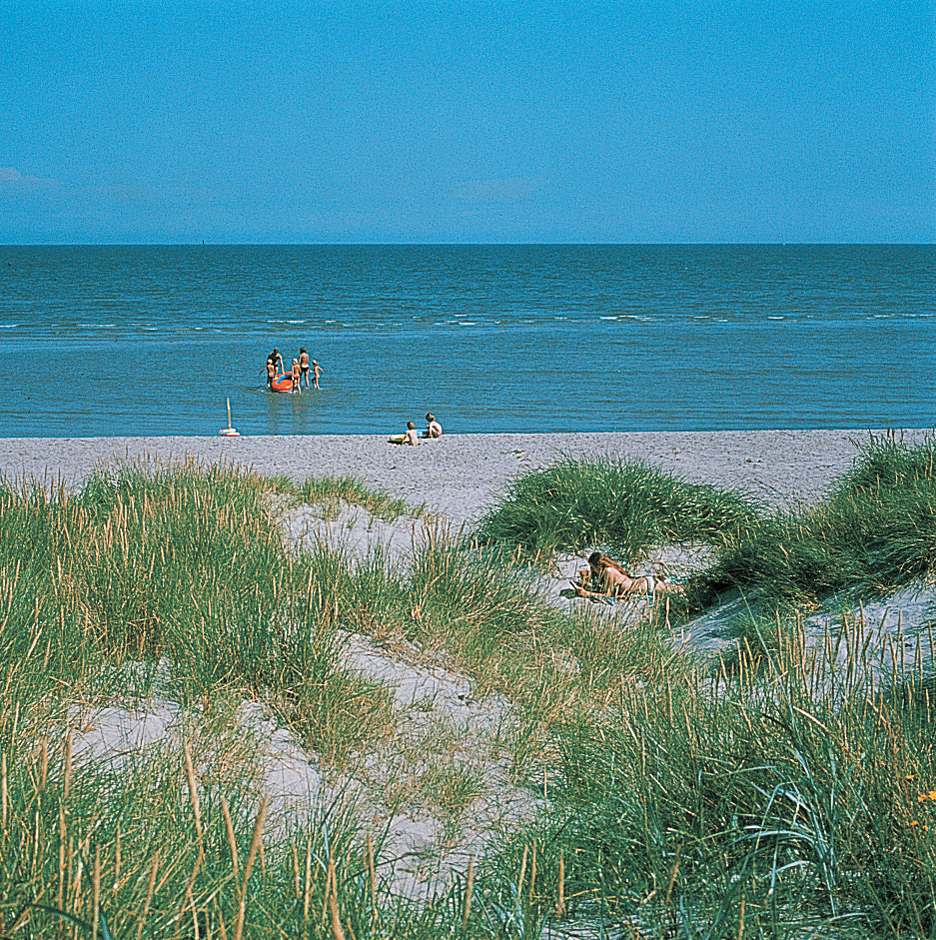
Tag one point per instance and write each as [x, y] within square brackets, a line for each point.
[614, 581]
[433, 428]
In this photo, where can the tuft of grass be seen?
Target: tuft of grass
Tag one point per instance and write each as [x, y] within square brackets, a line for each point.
[471, 607]
[624, 506]
[331, 492]
[875, 532]
[451, 788]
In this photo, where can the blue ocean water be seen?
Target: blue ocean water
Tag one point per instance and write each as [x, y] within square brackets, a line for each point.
[107, 341]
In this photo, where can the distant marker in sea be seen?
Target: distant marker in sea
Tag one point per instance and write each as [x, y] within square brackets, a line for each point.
[228, 431]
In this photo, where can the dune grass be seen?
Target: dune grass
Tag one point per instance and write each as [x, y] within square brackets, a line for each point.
[770, 803]
[876, 531]
[760, 807]
[758, 803]
[184, 564]
[159, 844]
[332, 493]
[186, 567]
[624, 506]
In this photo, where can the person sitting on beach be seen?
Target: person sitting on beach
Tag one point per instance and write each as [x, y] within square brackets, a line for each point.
[433, 428]
[317, 370]
[304, 364]
[410, 437]
[296, 377]
[614, 581]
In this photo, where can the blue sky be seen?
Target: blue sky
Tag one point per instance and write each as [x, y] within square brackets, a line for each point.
[412, 121]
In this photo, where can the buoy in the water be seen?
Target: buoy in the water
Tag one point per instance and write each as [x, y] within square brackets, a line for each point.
[228, 431]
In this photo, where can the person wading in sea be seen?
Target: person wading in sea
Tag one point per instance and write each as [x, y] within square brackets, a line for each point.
[274, 366]
[271, 365]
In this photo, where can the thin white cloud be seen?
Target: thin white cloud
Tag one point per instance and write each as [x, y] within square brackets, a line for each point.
[12, 179]
[509, 189]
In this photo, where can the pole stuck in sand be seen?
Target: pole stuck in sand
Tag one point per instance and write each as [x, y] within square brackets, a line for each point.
[229, 431]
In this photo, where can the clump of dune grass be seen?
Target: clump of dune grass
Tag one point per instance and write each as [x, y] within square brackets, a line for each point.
[331, 493]
[624, 506]
[183, 564]
[876, 531]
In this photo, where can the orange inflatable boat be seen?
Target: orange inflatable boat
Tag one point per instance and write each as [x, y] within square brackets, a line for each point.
[282, 383]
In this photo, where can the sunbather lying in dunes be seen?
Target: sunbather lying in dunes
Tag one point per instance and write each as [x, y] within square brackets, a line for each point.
[614, 581]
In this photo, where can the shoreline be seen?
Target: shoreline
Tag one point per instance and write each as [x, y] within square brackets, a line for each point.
[463, 475]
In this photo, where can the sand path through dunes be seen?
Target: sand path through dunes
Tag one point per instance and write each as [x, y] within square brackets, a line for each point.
[462, 475]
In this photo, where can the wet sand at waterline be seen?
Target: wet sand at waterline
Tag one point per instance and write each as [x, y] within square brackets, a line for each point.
[463, 475]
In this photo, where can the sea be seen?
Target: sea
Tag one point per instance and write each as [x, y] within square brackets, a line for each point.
[157, 340]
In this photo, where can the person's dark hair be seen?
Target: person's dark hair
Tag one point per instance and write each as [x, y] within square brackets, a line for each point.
[599, 560]
[410, 425]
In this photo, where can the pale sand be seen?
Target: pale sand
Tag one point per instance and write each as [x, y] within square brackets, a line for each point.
[462, 475]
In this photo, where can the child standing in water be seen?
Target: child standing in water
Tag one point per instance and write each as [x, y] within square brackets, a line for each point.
[317, 370]
[296, 377]
[274, 361]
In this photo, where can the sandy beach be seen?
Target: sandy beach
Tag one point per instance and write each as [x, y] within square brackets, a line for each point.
[462, 475]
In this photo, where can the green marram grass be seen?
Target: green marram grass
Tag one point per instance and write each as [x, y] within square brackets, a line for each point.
[876, 531]
[331, 494]
[684, 802]
[184, 564]
[623, 506]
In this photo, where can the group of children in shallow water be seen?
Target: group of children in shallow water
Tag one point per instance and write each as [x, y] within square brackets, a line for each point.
[301, 367]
